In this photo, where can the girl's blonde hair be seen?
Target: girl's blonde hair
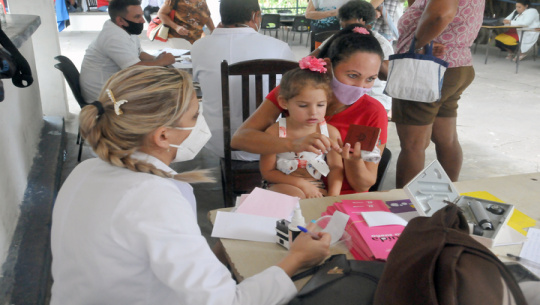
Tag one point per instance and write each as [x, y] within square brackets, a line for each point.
[157, 97]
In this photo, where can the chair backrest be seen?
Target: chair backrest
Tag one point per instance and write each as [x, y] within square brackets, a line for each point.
[381, 170]
[71, 74]
[300, 24]
[270, 22]
[91, 4]
[318, 38]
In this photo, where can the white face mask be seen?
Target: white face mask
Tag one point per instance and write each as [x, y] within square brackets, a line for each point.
[258, 25]
[192, 145]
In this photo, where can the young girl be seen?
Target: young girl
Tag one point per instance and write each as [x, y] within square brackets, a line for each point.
[304, 93]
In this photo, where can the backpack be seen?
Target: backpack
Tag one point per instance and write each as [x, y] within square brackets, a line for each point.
[13, 65]
[340, 281]
[436, 262]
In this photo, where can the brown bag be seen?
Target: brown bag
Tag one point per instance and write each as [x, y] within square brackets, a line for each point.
[436, 262]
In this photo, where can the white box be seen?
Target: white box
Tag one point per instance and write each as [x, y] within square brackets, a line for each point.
[429, 190]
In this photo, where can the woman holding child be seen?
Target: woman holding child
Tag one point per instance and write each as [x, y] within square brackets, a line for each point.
[355, 57]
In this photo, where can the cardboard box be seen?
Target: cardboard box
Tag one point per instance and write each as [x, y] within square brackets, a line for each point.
[429, 190]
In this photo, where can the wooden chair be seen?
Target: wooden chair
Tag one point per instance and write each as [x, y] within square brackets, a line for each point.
[92, 5]
[240, 177]
[318, 38]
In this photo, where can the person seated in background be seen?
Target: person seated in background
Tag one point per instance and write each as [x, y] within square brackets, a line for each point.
[236, 39]
[103, 5]
[72, 6]
[524, 16]
[189, 19]
[149, 7]
[362, 12]
[116, 47]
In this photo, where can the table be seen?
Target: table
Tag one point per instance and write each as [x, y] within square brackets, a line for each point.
[491, 28]
[249, 258]
[523, 30]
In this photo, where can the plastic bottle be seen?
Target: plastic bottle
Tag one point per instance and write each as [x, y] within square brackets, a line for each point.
[297, 220]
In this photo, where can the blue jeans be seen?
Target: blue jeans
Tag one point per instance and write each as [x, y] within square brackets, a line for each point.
[104, 8]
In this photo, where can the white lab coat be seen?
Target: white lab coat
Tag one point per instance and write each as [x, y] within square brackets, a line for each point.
[122, 237]
[529, 18]
[233, 45]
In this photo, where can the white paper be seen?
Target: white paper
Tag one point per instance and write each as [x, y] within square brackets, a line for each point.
[336, 226]
[244, 227]
[174, 52]
[531, 250]
[380, 218]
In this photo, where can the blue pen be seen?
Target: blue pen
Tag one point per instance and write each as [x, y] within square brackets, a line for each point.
[313, 235]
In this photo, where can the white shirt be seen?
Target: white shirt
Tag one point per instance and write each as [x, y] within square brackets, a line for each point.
[122, 237]
[233, 45]
[379, 85]
[155, 3]
[530, 19]
[113, 50]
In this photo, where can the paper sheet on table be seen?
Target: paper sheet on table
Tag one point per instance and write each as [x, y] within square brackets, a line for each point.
[381, 218]
[266, 203]
[174, 52]
[244, 227]
[531, 250]
[336, 226]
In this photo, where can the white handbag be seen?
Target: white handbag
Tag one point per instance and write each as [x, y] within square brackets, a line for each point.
[415, 77]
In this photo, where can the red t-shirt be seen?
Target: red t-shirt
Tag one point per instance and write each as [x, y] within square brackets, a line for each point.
[101, 3]
[366, 111]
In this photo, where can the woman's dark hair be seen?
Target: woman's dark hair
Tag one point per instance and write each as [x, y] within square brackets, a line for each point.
[357, 9]
[119, 8]
[237, 11]
[346, 42]
[526, 3]
[293, 81]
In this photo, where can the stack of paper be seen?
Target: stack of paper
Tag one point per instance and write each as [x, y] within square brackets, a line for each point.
[371, 241]
[255, 219]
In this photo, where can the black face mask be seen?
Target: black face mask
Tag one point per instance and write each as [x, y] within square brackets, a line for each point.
[133, 28]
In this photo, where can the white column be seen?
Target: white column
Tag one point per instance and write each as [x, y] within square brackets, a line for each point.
[46, 47]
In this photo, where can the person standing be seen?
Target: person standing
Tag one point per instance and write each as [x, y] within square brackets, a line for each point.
[149, 7]
[454, 24]
[237, 39]
[116, 47]
[386, 24]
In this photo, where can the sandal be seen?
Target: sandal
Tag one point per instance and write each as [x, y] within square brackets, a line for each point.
[520, 57]
[509, 56]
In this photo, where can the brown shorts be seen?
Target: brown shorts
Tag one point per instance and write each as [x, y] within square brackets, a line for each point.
[456, 80]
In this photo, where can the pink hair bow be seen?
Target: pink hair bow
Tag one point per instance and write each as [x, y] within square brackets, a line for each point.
[360, 30]
[313, 64]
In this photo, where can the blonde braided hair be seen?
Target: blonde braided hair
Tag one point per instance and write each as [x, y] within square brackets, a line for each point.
[157, 97]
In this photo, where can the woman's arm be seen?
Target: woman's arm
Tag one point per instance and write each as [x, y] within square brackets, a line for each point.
[435, 18]
[312, 13]
[163, 14]
[361, 175]
[251, 137]
[335, 163]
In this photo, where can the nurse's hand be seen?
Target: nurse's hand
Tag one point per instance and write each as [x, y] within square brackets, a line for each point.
[315, 143]
[306, 251]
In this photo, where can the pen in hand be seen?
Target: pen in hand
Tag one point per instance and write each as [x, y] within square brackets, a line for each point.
[313, 235]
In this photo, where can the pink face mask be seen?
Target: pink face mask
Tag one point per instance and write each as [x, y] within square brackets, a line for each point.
[347, 94]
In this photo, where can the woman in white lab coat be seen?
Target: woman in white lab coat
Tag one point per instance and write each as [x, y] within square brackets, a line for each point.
[124, 227]
[526, 16]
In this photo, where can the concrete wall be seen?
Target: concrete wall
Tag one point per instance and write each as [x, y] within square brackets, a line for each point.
[20, 121]
[47, 45]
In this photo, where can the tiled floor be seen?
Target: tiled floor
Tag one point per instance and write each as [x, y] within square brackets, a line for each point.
[498, 121]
